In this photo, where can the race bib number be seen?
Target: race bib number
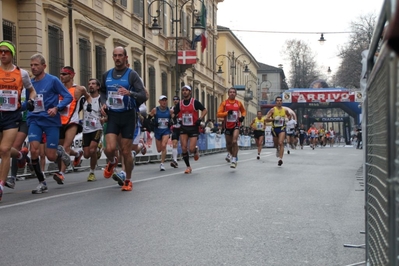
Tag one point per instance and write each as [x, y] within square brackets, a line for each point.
[65, 111]
[279, 122]
[259, 125]
[91, 123]
[39, 103]
[115, 100]
[8, 100]
[163, 123]
[187, 120]
[233, 117]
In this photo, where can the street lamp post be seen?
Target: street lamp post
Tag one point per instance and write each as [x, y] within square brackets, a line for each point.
[156, 28]
[268, 85]
[233, 65]
[248, 95]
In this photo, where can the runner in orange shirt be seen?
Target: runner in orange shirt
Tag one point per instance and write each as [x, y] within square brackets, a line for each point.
[234, 114]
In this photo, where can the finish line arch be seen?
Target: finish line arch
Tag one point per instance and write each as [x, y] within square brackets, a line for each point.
[322, 104]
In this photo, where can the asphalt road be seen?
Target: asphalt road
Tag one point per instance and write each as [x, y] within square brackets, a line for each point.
[301, 213]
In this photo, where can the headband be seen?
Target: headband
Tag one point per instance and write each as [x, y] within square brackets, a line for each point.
[69, 71]
[9, 46]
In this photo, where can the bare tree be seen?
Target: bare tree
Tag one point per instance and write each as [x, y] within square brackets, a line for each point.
[348, 74]
[302, 63]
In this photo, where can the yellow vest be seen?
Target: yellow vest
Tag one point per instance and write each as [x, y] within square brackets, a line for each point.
[259, 124]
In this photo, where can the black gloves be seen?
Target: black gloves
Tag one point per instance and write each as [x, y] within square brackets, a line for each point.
[230, 112]
[89, 107]
[241, 119]
[198, 122]
[30, 105]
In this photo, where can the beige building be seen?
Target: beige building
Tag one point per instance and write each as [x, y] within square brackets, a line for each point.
[83, 33]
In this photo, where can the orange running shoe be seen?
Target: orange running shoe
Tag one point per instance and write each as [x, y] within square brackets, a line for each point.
[127, 185]
[59, 178]
[196, 154]
[22, 162]
[78, 159]
[188, 170]
[109, 169]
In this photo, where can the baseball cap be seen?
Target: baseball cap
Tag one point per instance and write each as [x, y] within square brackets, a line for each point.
[163, 97]
[176, 98]
[187, 87]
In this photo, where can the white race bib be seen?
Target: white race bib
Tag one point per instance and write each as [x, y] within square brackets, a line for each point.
[8, 100]
[115, 100]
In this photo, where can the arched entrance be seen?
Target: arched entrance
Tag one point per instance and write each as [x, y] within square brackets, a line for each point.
[337, 108]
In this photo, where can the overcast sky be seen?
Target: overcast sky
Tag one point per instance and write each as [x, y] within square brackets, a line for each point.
[293, 16]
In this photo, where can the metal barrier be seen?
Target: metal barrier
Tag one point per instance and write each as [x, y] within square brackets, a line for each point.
[381, 146]
[153, 157]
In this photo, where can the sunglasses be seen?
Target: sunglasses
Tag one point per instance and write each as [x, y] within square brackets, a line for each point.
[6, 52]
[176, 99]
[64, 74]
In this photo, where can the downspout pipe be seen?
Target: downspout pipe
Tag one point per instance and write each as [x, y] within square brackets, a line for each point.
[143, 74]
[70, 21]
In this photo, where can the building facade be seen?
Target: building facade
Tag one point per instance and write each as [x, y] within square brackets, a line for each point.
[83, 33]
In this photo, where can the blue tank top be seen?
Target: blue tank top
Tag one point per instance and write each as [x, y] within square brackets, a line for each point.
[162, 118]
[115, 102]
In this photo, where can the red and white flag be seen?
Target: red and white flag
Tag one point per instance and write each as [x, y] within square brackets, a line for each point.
[187, 57]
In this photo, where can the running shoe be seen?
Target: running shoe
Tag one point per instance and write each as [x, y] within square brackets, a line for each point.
[59, 178]
[109, 169]
[258, 157]
[119, 177]
[143, 148]
[64, 156]
[280, 162]
[174, 164]
[21, 162]
[288, 152]
[1, 191]
[188, 170]
[233, 165]
[10, 182]
[78, 159]
[196, 154]
[127, 186]
[91, 177]
[41, 188]
[228, 157]
[161, 167]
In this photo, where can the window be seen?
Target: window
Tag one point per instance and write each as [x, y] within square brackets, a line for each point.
[151, 85]
[55, 50]
[164, 80]
[138, 6]
[9, 34]
[84, 60]
[196, 90]
[137, 67]
[264, 77]
[100, 61]
[121, 2]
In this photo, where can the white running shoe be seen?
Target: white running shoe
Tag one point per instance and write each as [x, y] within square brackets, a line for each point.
[162, 167]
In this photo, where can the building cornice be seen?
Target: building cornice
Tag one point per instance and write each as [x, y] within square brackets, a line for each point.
[54, 10]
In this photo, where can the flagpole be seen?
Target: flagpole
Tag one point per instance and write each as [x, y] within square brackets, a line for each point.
[176, 18]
